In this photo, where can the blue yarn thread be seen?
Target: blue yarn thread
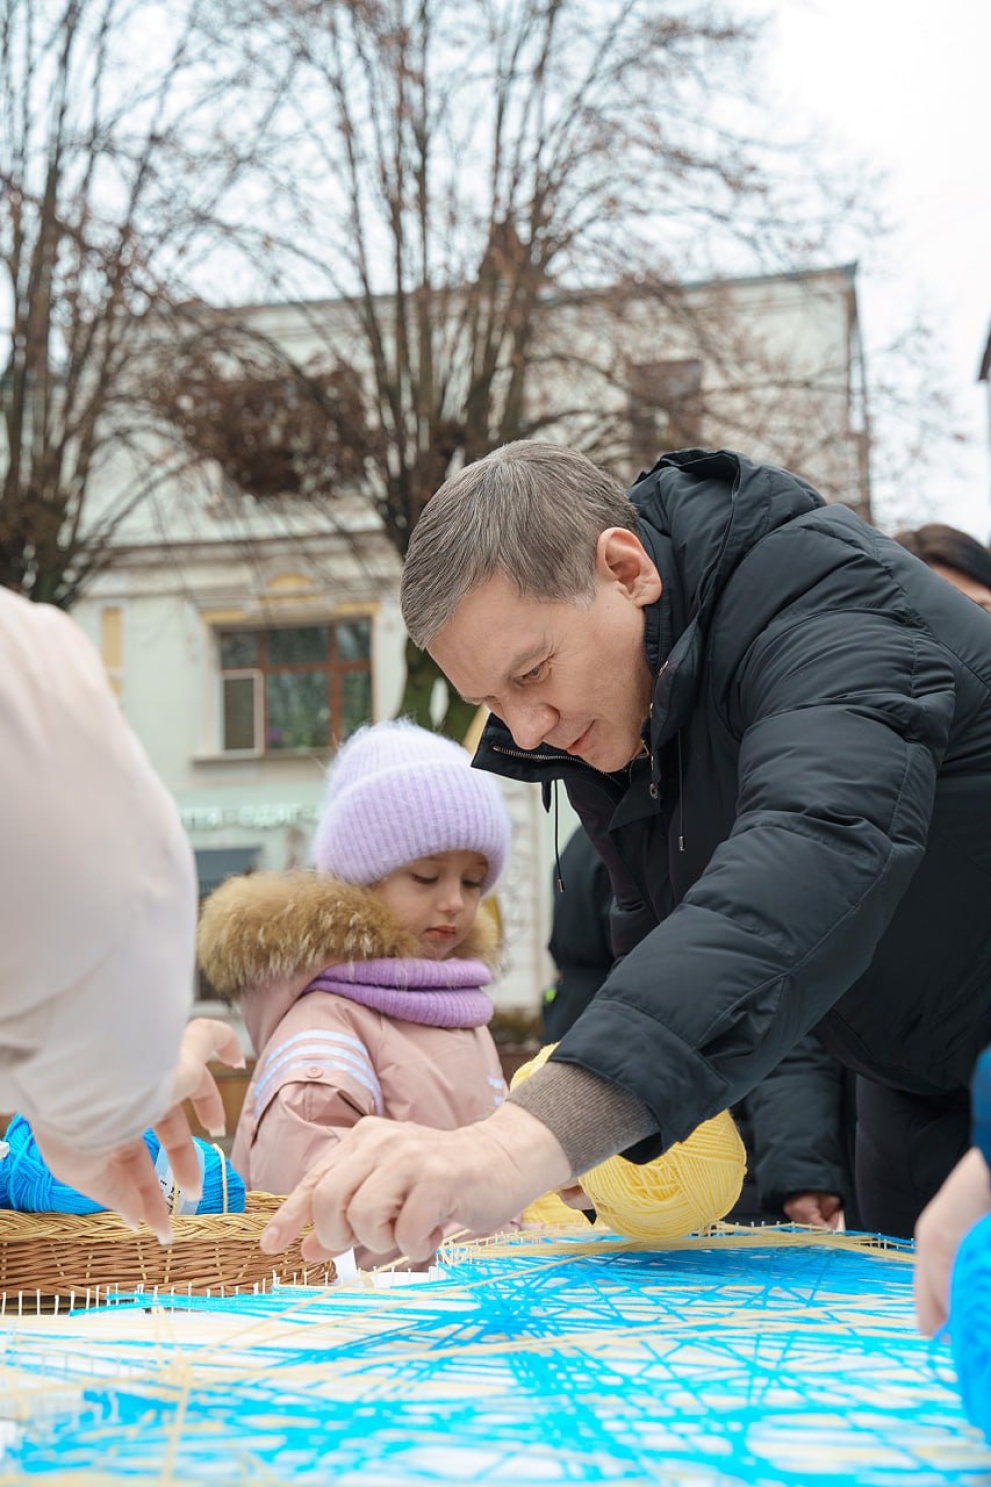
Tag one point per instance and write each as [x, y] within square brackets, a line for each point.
[970, 1323]
[28, 1186]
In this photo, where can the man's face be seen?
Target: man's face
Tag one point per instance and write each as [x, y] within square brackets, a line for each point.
[568, 675]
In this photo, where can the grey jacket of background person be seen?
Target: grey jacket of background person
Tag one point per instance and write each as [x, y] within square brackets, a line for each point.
[807, 844]
[581, 939]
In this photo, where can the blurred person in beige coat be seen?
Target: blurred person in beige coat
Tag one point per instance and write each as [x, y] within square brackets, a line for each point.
[97, 929]
[362, 983]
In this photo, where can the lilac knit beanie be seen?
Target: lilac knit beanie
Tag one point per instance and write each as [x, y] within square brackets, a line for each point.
[397, 792]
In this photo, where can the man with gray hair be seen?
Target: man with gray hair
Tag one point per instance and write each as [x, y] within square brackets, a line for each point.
[775, 724]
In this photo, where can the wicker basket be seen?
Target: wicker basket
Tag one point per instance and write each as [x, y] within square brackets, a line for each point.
[86, 1256]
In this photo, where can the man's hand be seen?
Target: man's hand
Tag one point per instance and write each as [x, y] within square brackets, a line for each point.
[818, 1210]
[124, 1179]
[964, 1198]
[391, 1185]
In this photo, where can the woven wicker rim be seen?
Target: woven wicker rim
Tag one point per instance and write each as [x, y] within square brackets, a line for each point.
[95, 1228]
[55, 1254]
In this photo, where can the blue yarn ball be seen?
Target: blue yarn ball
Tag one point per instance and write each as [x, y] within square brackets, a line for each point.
[970, 1323]
[28, 1185]
[4, 1194]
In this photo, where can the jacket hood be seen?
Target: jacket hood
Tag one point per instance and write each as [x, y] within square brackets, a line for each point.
[700, 514]
[271, 926]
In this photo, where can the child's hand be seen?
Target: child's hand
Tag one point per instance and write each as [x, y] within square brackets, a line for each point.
[124, 1178]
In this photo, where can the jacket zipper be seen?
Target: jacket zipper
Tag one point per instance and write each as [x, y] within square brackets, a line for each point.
[576, 759]
[652, 789]
[564, 758]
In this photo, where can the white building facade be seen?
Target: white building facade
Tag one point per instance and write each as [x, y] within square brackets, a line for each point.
[246, 642]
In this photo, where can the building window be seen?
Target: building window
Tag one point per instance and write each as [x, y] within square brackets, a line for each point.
[299, 687]
[665, 408]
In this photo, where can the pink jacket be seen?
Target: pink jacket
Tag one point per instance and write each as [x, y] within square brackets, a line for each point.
[324, 1060]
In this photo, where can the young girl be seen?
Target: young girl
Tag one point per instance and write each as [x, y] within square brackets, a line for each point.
[361, 984]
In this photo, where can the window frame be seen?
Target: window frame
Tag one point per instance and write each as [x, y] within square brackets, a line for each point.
[238, 673]
[333, 668]
[664, 406]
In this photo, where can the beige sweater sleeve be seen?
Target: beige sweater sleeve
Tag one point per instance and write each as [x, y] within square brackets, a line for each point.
[591, 1118]
[97, 895]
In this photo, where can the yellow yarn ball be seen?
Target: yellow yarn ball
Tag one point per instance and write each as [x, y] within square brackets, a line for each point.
[693, 1184]
[525, 1070]
[549, 1212]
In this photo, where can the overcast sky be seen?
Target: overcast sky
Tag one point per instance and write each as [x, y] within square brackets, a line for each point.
[903, 85]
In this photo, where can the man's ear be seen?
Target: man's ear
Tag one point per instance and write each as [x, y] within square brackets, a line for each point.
[621, 557]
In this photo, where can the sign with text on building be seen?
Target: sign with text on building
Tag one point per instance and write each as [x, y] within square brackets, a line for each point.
[261, 817]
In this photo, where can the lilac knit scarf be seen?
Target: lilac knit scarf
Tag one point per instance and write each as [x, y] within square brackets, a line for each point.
[438, 993]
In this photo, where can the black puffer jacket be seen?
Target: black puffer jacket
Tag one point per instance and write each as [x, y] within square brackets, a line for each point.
[796, 1124]
[809, 843]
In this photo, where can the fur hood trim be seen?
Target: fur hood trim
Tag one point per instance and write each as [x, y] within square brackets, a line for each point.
[267, 925]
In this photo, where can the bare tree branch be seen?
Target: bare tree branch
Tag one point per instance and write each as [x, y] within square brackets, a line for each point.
[116, 158]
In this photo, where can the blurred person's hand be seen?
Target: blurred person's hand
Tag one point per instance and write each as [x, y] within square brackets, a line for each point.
[576, 1197]
[964, 1198]
[124, 1178]
[818, 1210]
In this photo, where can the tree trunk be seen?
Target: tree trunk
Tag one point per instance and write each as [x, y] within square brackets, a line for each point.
[422, 674]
